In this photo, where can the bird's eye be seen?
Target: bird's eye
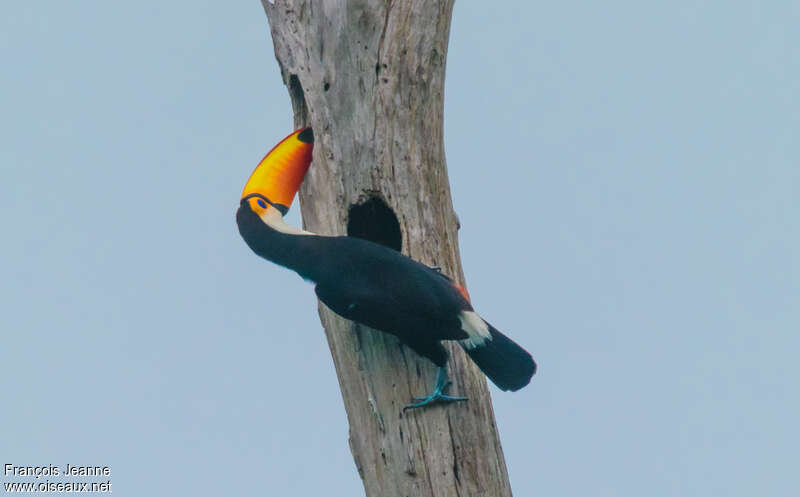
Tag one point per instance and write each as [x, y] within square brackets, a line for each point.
[262, 204]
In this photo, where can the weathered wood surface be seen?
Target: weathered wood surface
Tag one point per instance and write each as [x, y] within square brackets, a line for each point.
[369, 77]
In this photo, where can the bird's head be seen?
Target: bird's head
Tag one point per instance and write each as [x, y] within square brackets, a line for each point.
[275, 181]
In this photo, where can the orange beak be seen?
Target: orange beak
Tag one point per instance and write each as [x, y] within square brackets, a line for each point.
[279, 174]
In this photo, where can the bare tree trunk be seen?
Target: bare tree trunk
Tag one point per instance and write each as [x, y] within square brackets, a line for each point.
[368, 76]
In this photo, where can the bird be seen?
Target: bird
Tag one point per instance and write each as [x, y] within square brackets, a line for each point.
[372, 284]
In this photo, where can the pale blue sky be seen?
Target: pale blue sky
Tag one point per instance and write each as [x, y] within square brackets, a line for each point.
[626, 176]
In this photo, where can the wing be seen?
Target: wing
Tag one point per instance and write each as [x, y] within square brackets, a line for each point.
[383, 289]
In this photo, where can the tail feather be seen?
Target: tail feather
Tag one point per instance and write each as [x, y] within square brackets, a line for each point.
[508, 365]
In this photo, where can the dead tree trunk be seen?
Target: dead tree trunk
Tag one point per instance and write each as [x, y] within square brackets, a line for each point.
[368, 75]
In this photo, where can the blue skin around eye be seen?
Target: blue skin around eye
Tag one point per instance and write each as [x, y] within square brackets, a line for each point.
[262, 204]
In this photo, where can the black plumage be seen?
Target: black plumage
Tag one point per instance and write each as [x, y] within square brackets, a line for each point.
[374, 285]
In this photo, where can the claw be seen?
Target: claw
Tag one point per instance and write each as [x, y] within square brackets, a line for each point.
[434, 399]
[438, 396]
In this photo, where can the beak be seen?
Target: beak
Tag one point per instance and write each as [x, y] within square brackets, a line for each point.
[279, 174]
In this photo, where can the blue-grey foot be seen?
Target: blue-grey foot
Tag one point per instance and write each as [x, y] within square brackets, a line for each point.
[438, 396]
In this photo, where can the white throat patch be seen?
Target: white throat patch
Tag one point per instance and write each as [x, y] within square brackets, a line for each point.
[273, 218]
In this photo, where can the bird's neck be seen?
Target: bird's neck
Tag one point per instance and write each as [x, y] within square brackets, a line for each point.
[270, 237]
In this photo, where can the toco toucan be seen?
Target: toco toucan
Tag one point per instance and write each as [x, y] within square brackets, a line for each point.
[372, 284]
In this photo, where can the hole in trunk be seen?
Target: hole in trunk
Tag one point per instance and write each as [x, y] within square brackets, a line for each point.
[375, 221]
[298, 98]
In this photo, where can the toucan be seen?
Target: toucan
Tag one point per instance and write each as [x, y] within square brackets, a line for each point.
[370, 283]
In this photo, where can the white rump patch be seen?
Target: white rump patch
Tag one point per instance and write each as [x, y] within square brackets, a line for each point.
[476, 328]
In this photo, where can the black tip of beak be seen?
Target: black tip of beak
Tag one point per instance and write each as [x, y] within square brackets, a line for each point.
[306, 136]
